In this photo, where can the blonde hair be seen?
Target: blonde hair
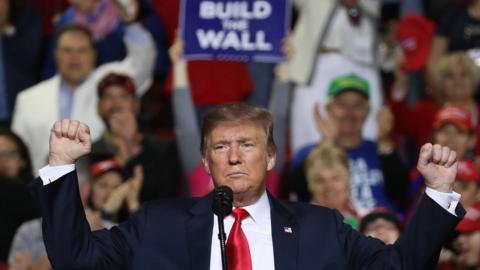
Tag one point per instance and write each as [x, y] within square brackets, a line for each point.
[445, 64]
[325, 154]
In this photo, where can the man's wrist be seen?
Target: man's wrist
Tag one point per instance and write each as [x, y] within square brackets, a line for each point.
[59, 161]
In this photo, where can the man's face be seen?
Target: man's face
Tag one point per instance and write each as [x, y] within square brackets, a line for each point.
[75, 57]
[455, 138]
[116, 99]
[236, 156]
[349, 111]
[468, 247]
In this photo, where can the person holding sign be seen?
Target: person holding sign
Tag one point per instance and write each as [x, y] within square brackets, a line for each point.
[237, 31]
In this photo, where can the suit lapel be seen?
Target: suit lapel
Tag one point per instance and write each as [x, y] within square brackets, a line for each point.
[284, 235]
[199, 234]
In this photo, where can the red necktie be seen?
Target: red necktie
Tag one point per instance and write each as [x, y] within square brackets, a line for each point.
[238, 252]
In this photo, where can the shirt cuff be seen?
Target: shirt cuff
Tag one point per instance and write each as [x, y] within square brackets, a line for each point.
[447, 201]
[48, 174]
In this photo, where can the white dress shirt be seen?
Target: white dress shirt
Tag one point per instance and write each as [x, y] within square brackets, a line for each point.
[258, 230]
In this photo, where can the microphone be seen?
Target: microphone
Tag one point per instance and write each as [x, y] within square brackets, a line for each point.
[222, 207]
[222, 201]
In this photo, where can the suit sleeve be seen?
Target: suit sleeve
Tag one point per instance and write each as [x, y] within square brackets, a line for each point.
[417, 248]
[69, 242]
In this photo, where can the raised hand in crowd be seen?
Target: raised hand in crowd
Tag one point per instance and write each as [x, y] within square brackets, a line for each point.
[94, 219]
[325, 125]
[117, 198]
[69, 140]
[135, 185]
[175, 52]
[287, 46]
[385, 122]
[128, 9]
[128, 192]
[438, 165]
[399, 87]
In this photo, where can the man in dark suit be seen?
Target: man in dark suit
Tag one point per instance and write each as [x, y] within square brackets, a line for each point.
[237, 151]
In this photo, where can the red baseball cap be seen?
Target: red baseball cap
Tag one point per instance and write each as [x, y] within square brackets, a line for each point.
[471, 220]
[122, 80]
[104, 166]
[455, 115]
[467, 172]
[415, 33]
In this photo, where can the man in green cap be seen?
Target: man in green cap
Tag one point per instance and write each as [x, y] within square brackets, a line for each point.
[375, 168]
[350, 82]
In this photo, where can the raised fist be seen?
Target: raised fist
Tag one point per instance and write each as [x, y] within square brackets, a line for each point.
[69, 140]
[438, 165]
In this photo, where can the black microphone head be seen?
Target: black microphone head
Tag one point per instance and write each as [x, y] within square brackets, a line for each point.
[222, 201]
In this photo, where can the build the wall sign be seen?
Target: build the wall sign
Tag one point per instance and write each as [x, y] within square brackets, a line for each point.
[235, 30]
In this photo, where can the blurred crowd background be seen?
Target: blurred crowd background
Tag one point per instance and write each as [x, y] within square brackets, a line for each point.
[364, 84]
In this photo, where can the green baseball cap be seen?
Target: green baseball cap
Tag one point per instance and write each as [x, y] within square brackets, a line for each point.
[349, 82]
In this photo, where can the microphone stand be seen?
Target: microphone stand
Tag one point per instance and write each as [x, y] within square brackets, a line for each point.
[222, 206]
[221, 237]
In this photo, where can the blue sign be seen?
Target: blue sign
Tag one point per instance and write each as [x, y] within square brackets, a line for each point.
[239, 30]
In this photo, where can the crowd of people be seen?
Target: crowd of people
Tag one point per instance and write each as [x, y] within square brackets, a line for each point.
[364, 84]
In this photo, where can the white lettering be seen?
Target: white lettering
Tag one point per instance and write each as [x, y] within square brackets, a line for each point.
[235, 10]
[207, 10]
[235, 25]
[246, 44]
[245, 13]
[210, 39]
[261, 10]
[224, 12]
[260, 40]
[231, 41]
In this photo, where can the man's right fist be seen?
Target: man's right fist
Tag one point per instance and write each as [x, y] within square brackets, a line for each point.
[69, 140]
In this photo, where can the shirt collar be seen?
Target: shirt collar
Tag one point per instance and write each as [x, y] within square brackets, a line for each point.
[64, 87]
[260, 210]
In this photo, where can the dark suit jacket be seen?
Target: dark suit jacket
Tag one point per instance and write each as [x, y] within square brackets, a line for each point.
[177, 234]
